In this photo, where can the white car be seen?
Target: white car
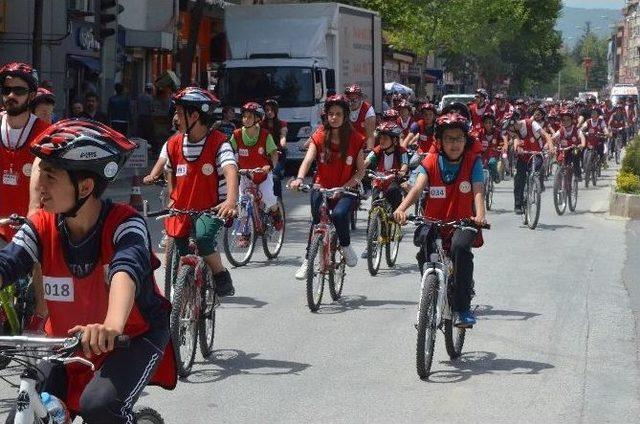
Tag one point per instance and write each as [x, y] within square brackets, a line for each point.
[447, 99]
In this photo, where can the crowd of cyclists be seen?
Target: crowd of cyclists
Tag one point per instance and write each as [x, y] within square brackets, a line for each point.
[56, 173]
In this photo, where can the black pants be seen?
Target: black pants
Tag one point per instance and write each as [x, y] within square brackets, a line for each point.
[110, 395]
[462, 258]
[521, 177]
[393, 194]
[570, 158]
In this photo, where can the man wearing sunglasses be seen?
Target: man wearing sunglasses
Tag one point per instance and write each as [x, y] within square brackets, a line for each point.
[362, 116]
[18, 129]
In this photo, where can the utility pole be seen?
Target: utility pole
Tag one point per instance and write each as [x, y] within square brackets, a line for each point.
[36, 58]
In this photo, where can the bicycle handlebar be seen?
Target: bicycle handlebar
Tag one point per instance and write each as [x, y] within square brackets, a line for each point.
[251, 171]
[173, 212]
[460, 223]
[328, 191]
[59, 345]
[13, 219]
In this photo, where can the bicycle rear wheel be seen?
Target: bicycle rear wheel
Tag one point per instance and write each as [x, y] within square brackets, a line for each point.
[427, 325]
[207, 326]
[273, 238]
[533, 201]
[337, 271]
[147, 416]
[393, 244]
[240, 239]
[559, 193]
[374, 246]
[586, 167]
[315, 273]
[453, 338]
[184, 319]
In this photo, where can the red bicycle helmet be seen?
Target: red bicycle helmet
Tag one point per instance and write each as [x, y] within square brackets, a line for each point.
[451, 120]
[43, 96]
[198, 99]
[404, 104]
[273, 103]
[428, 106]
[391, 129]
[482, 93]
[84, 145]
[500, 96]
[353, 89]
[20, 70]
[337, 100]
[254, 108]
[391, 115]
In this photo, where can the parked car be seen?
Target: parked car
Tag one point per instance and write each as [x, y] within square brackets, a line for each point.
[447, 99]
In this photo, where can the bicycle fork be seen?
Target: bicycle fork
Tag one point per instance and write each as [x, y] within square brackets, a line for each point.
[437, 269]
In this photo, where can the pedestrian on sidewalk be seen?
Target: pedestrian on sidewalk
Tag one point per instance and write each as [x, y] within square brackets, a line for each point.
[92, 108]
[119, 110]
[145, 118]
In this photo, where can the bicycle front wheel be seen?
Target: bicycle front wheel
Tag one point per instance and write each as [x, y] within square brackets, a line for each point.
[427, 325]
[559, 194]
[209, 302]
[337, 272]
[533, 201]
[184, 319]
[239, 239]
[273, 236]
[393, 245]
[374, 246]
[316, 273]
[488, 192]
[572, 185]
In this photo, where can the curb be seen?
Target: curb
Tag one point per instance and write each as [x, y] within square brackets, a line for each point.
[623, 204]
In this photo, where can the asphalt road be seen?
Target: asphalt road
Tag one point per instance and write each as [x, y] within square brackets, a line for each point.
[555, 341]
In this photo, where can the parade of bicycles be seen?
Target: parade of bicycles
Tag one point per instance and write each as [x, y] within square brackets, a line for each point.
[307, 212]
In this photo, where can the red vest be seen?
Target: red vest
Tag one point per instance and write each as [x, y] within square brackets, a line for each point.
[358, 125]
[397, 158]
[274, 131]
[571, 138]
[15, 167]
[616, 122]
[529, 142]
[255, 156]
[476, 114]
[452, 201]
[195, 184]
[405, 128]
[334, 171]
[593, 129]
[425, 141]
[75, 301]
[499, 113]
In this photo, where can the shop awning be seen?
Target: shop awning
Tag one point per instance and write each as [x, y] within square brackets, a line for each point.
[92, 63]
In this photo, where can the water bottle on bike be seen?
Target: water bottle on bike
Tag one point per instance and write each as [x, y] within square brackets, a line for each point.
[58, 412]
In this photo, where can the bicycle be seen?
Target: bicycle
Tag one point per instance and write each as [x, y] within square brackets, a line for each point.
[434, 308]
[616, 145]
[29, 351]
[589, 166]
[488, 188]
[532, 190]
[415, 159]
[193, 316]
[382, 230]
[253, 221]
[565, 184]
[326, 261]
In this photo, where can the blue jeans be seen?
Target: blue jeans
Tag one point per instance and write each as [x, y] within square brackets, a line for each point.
[340, 215]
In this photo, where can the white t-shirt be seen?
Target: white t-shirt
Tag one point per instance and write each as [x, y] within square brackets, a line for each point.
[353, 116]
[535, 126]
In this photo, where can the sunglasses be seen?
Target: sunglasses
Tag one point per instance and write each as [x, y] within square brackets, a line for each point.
[18, 91]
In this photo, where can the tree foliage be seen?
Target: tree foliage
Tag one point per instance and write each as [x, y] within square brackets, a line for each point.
[496, 39]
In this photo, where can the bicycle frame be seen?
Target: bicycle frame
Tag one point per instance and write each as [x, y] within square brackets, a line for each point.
[325, 229]
[442, 268]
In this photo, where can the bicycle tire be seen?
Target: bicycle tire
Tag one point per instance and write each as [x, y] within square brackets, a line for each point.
[314, 297]
[453, 338]
[534, 192]
[393, 246]
[146, 415]
[207, 326]
[230, 240]
[559, 193]
[184, 305]
[172, 261]
[594, 173]
[427, 325]
[337, 271]
[488, 195]
[573, 197]
[374, 247]
[586, 166]
[525, 200]
[270, 230]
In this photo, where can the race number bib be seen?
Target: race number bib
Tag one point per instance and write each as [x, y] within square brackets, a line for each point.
[58, 289]
[9, 178]
[243, 152]
[437, 192]
[181, 170]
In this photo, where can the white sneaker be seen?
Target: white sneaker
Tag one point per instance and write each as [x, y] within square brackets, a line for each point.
[301, 273]
[350, 256]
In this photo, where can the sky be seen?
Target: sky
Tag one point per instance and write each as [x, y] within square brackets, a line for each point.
[595, 4]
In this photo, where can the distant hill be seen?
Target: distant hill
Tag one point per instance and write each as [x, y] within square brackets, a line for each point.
[572, 21]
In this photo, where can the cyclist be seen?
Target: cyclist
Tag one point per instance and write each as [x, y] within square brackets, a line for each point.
[362, 115]
[569, 135]
[501, 107]
[596, 130]
[530, 137]
[406, 122]
[338, 150]
[455, 181]
[424, 129]
[42, 105]
[491, 144]
[278, 130]
[388, 156]
[199, 160]
[98, 270]
[226, 124]
[255, 148]
[617, 123]
[478, 107]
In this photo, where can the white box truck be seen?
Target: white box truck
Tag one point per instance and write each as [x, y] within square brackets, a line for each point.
[299, 54]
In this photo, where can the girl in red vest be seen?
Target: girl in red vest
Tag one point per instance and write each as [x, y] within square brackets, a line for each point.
[596, 131]
[338, 151]
[426, 128]
[455, 181]
[98, 274]
[570, 135]
[407, 124]
[278, 130]
[491, 144]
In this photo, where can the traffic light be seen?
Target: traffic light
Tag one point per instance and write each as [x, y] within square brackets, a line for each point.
[106, 13]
